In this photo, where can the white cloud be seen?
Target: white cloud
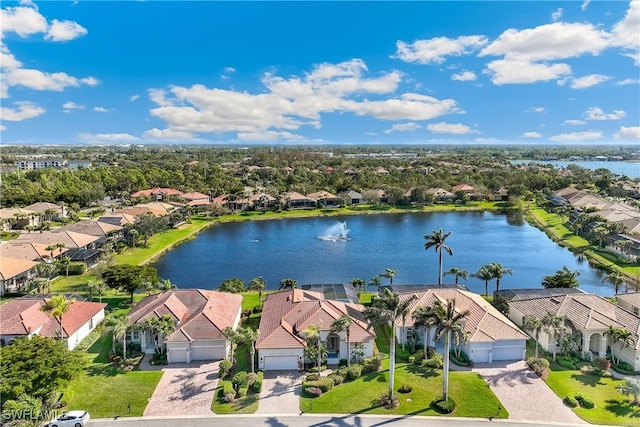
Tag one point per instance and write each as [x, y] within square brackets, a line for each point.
[577, 136]
[628, 133]
[588, 81]
[289, 103]
[595, 113]
[269, 136]
[156, 133]
[628, 82]
[60, 31]
[134, 97]
[514, 71]
[68, 106]
[585, 4]
[464, 76]
[574, 122]
[23, 21]
[100, 109]
[108, 137]
[450, 128]
[557, 14]
[24, 110]
[402, 127]
[625, 33]
[229, 70]
[435, 51]
[531, 135]
[536, 109]
[3, 127]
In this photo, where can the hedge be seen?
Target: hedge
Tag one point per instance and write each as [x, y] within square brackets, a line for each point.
[257, 385]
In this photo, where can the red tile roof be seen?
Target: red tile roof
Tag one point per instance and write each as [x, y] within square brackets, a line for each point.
[157, 190]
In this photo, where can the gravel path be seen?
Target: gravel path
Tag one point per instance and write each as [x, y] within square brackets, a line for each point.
[525, 395]
[185, 388]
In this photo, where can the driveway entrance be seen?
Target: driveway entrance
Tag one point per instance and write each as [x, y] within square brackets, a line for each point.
[280, 392]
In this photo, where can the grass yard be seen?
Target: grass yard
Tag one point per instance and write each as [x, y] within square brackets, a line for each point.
[105, 390]
[472, 395]
[612, 407]
[243, 405]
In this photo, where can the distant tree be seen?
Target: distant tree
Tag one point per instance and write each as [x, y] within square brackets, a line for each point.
[257, 284]
[234, 286]
[359, 285]
[312, 336]
[424, 317]
[498, 272]
[564, 278]
[620, 336]
[235, 337]
[457, 273]
[288, 284]
[389, 274]
[484, 274]
[118, 326]
[57, 306]
[437, 241]
[250, 336]
[160, 327]
[147, 225]
[552, 324]
[128, 278]
[534, 325]
[616, 279]
[375, 281]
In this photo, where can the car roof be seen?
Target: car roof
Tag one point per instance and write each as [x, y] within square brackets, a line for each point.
[76, 413]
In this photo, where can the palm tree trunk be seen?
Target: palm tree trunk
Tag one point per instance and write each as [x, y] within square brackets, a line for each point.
[404, 334]
[253, 356]
[486, 288]
[392, 358]
[319, 357]
[537, 338]
[348, 348]
[445, 369]
[124, 346]
[440, 273]
[425, 344]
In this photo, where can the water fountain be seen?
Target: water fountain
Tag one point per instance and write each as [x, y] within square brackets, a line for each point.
[336, 233]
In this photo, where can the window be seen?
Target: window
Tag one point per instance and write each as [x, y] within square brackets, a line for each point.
[135, 335]
[333, 343]
[91, 323]
[636, 311]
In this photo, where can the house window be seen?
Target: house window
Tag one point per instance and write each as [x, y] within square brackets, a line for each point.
[135, 335]
[333, 343]
[636, 311]
[91, 323]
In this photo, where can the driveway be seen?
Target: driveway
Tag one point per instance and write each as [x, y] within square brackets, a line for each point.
[524, 394]
[280, 392]
[185, 388]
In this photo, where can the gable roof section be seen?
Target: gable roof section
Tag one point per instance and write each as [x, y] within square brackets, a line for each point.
[26, 250]
[92, 228]
[631, 298]
[11, 267]
[71, 239]
[43, 206]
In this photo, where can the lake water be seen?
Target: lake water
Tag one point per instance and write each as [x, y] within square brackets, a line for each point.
[300, 249]
[630, 169]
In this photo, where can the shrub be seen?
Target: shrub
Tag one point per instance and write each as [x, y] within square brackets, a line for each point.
[444, 406]
[225, 367]
[313, 392]
[353, 372]
[570, 402]
[312, 377]
[324, 384]
[336, 378]
[412, 359]
[462, 360]
[540, 366]
[584, 402]
[371, 365]
[387, 401]
[314, 368]
[430, 352]
[257, 386]
[568, 362]
[434, 362]
[229, 398]
[601, 363]
[405, 389]
[228, 393]
[257, 309]
[251, 379]
[242, 391]
[342, 362]
[240, 379]
[418, 356]
[77, 268]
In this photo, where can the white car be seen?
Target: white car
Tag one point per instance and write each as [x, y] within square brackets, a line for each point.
[70, 419]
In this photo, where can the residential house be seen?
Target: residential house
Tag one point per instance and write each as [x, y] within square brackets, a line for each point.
[232, 203]
[441, 195]
[589, 317]
[287, 314]
[18, 218]
[118, 218]
[263, 201]
[48, 211]
[195, 198]
[343, 292]
[501, 195]
[630, 302]
[29, 250]
[14, 274]
[158, 194]
[78, 164]
[294, 200]
[352, 197]
[491, 336]
[200, 317]
[23, 317]
[325, 199]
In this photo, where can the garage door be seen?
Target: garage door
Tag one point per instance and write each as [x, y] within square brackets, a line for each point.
[206, 353]
[177, 356]
[480, 356]
[280, 363]
[508, 353]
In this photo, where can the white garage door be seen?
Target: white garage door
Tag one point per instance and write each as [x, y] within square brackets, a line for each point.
[206, 353]
[480, 355]
[508, 353]
[177, 356]
[280, 363]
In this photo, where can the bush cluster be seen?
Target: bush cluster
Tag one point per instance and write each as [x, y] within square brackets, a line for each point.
[584, 402]
[240, 379]
[324, 384]
[540, 366]
[601, 363]
[371, 365]
[225, 368]
[257, 385]
[313, 392]
[418, 356]
[353, 372]
[387, 401]
[405, 389]
[444, 406]
[434, 362]
[568, 362]
[570, 402]
[336, 378]
[228, 392]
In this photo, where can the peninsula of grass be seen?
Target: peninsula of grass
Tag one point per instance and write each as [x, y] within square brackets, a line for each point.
[611, 406]
[242, 405]
[106, 389]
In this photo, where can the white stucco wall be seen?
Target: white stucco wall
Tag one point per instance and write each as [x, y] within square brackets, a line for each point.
[262, 353]
[85, 330]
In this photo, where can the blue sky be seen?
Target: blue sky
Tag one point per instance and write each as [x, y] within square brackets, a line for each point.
[320, 72]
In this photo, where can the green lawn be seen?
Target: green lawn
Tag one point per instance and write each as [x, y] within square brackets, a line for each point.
[612, 407]
[105, 390]
[243, 405]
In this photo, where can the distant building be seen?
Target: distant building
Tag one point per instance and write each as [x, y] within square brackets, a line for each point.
[37, 163]
[77, 164]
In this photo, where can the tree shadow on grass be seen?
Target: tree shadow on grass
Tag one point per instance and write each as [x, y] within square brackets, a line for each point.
[622, 408]
[590, 380]
[423, 372]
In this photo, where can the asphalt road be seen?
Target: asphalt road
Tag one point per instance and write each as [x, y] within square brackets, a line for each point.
[310, 421]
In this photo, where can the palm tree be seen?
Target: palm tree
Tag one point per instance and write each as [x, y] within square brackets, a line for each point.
[288, 283]
[359, 285]
[57, 306]
[485, 274]
[385, 310]
[160, 327]
[424, 317]
[631, 386]
[389, 274]
[457, 273]
[551, 324]
[343, 323]
[257, 284]
[616, 279]
[445, 322]
[250, 336]
[535, 325]
[498, 272]
[437, 241]
[312, 337]
[235, 337]
[375, 281]
[619, 336]
[118, 326]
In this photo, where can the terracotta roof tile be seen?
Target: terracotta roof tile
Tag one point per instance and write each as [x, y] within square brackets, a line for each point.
[11, 267]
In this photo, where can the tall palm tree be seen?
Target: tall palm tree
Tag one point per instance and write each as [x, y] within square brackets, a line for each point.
[343, 323]
[498, 272]
[288, 284]
[57, 306]
[551, 325]
[389, 274]
[424, 317]
[160, 327]
[257, 284]
[359, 285]
[118, 326]
[616, 279]
[535, 325]
[235, 337]
[437, 241]
[312, 336]
[484, 274]
[446, 321]
[250, 336]
[385, 310]
[457, 273]
[619, 336]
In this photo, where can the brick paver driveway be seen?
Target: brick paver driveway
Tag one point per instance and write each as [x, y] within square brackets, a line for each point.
[280, 392]
[524, 394]
[185, 388]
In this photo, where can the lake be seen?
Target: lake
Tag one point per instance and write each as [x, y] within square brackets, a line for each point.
[303, 249]
[629, 169]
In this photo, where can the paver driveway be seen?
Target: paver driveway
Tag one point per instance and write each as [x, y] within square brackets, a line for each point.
[524, 394]
[280, 392]
[185, 388]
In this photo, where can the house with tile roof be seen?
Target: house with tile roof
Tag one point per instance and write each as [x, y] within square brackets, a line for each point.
[630, 302]
[14, 274]
[352, 197]
[22, 317]
[286, 314]
[18, 218]
[199, 316]
[295, 200]
[159, 194]
[50, 211]
[492, 337]
[325, 199]
[195, 198]
[588, 315]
